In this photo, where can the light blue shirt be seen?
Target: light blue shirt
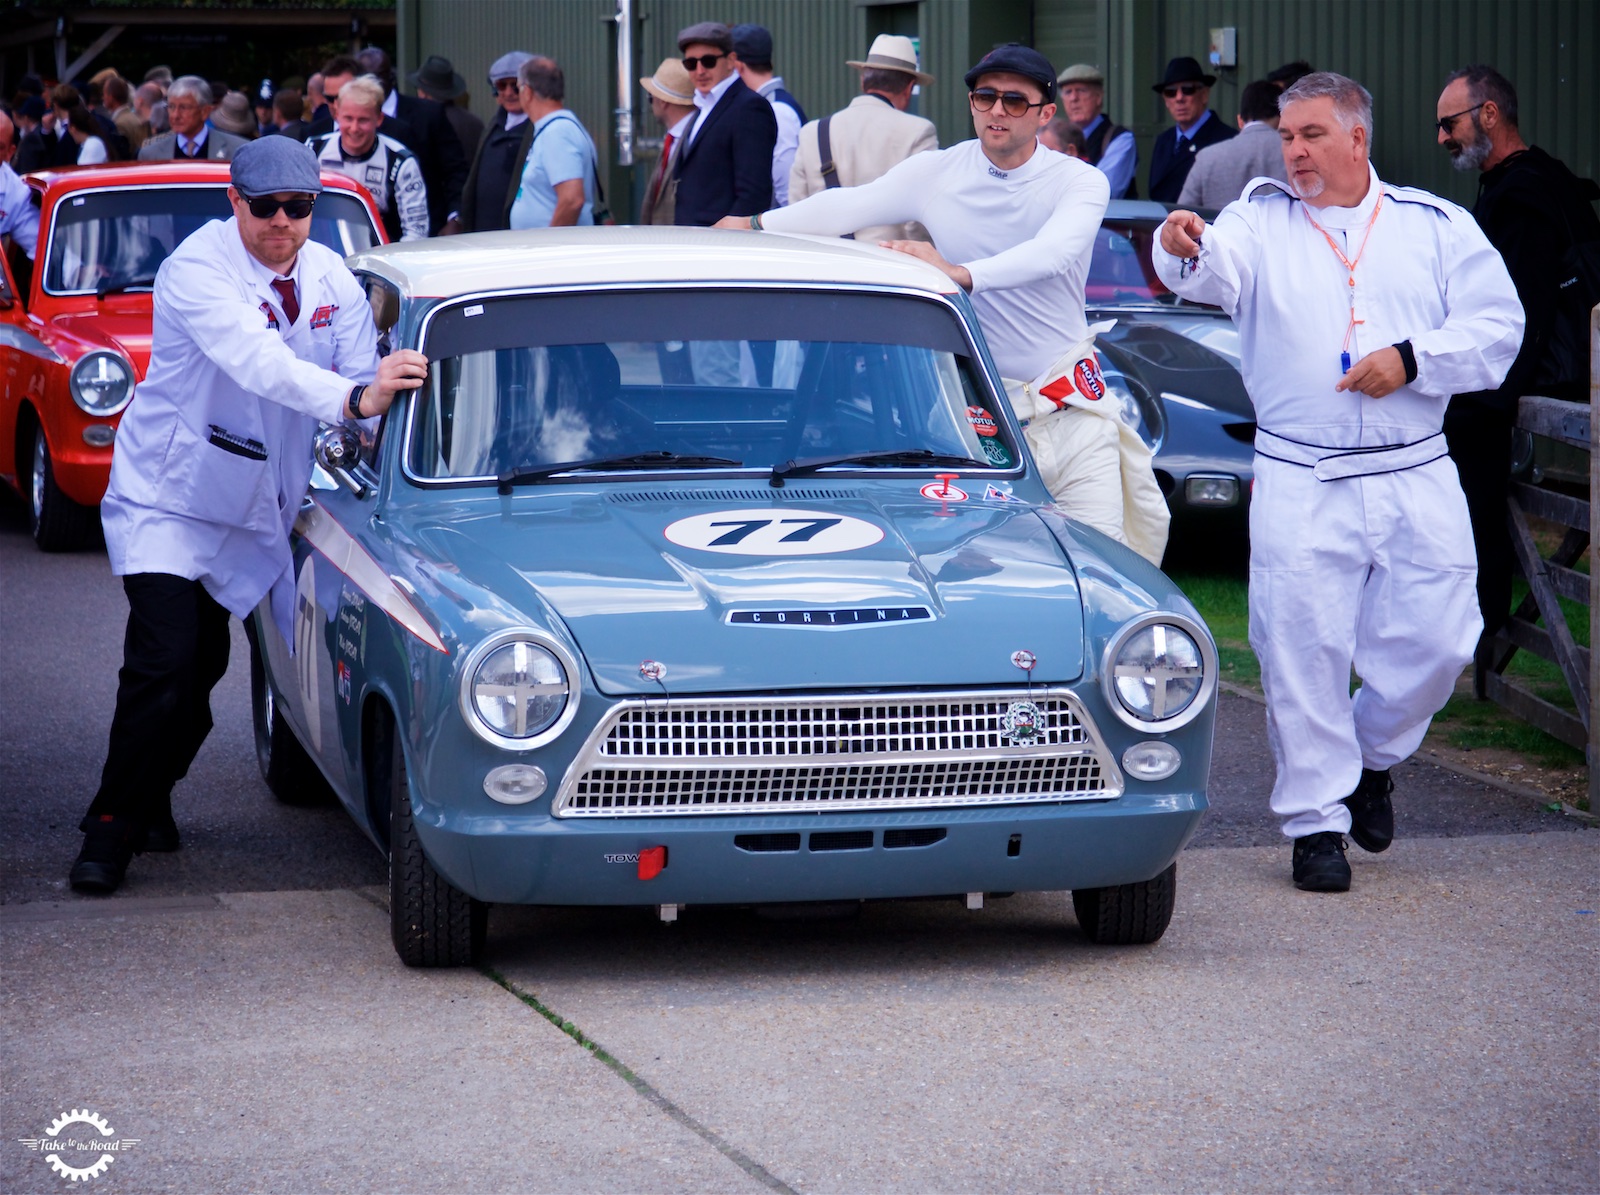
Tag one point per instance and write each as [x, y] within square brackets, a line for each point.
[1118, 158]
[561, 151]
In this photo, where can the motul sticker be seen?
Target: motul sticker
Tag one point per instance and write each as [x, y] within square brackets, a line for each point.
[982, 422]
[1086, 376]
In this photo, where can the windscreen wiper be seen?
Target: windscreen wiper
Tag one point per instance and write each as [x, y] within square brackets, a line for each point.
[527, 474]
[912, 456]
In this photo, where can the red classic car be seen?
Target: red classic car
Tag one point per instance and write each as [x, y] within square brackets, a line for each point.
[75, 323]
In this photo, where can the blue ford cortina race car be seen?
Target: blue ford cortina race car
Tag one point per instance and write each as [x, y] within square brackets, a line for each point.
[710, 568]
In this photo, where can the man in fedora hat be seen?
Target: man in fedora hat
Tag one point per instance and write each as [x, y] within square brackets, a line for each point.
[869, 136]
[1186, 90]
[672, 100]
[1106, 144]
[438, 80]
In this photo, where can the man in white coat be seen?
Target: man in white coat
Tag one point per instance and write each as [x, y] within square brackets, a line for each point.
[258, 335]
[871, 135]
[1220, 171]
[1362, 307]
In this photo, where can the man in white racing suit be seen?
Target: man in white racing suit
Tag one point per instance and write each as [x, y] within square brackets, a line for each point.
[380, 164]
[1362, 307]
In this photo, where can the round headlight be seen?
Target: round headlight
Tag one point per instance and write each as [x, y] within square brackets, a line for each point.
[101, 383]
[1159, 672]
[516, 689]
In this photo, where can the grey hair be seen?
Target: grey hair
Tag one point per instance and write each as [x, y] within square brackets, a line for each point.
[193, 86]
[1352, 103]
[1484, 83]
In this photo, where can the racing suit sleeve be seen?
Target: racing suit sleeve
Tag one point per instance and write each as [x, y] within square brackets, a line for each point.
[1482, 331]
[1065, 237]
[411, 201]
[1229, 251]
[893, 198]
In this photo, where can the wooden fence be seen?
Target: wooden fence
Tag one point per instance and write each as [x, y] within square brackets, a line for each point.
[1553, 577]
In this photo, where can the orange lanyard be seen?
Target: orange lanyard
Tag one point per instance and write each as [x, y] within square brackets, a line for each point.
[1350, 266]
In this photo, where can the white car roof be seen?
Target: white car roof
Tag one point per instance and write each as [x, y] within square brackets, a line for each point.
[577, 257]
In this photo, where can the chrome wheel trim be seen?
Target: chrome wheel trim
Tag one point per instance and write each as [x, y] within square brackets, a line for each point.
[41, 452]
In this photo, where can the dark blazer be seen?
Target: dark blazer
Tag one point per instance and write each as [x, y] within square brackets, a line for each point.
[726, 170]
[440, 154]
[1169, 166]
[518, 160]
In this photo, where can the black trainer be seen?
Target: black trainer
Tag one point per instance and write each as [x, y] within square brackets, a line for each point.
[1371, 811]
[162, 835]
[1319, 863]
[108, 846]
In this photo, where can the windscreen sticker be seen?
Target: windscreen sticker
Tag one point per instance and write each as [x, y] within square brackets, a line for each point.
[982, 422]
[995, 451]
[774, 532]
[995, 494]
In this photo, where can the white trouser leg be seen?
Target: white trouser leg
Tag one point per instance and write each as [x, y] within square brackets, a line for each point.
[1376, 572]
[1419, 619]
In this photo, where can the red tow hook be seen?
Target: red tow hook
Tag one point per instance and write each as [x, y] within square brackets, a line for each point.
[651, 860]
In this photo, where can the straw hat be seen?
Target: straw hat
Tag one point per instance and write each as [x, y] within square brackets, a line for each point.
[891, 52]
[671, 83]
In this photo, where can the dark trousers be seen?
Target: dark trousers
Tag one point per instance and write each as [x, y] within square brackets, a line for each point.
[1479, 438]
[174, 653]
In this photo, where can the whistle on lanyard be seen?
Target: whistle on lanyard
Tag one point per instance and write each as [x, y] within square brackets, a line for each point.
[1344, 362]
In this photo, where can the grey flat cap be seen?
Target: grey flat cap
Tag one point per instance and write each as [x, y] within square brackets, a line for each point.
[275, 164]
[1081, 72]
[707, 33]
[507, 65]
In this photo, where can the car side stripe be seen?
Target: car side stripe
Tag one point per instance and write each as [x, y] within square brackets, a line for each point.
[14, 337]
[324, 532]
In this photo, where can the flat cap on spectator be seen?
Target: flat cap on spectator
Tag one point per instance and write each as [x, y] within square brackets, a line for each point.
[1081, 72]
[706, 33]
[159, 74]
[507, 65]
[1016, 59]
[753, 44]
[273, 165]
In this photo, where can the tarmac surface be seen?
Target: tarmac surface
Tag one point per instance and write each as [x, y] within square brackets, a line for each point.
[237, 1012]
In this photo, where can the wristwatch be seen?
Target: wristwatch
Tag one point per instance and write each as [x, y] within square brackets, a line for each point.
[355, 401]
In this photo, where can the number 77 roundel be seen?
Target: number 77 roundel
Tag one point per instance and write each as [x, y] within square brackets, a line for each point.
[774, 532]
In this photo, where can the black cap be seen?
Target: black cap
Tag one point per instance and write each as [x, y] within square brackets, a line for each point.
[1017, 59]
[440, 77]
[753, 45]
[706, 33]
[1184, 70]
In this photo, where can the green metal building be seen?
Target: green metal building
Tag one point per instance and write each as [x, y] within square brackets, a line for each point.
[1400, 49]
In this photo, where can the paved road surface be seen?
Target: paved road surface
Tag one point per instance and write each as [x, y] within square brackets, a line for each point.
[238, 1009]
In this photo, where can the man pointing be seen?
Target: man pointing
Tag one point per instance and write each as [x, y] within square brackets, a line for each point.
[1361, 308]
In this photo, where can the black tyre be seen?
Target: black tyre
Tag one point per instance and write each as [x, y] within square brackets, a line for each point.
[57, 522]
[1127, 914]
[434, 924]
[285, 765]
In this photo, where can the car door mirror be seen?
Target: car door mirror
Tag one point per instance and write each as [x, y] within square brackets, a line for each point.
[338, 451]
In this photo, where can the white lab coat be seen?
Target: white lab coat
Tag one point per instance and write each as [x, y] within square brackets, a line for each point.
[1356, 558]
[225, 360]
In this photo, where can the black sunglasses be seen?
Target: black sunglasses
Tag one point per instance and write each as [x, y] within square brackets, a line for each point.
[264, 207]
[1014, 103]
[1172, 93]
[706, 60]
[1446, 123]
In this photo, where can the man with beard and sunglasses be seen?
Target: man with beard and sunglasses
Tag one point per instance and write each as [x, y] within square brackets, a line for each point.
[1533, 210]
[1014, 225]
[258, 335]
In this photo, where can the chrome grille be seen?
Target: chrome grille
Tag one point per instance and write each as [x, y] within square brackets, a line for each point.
[697, 756]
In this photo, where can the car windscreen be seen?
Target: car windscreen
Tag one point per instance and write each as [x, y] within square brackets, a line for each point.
[761, 377]
[117, 239]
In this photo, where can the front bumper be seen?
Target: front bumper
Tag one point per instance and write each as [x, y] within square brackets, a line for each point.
[546, 861]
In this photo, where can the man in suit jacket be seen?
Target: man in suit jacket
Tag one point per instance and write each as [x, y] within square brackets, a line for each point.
[874, 133]
[189, 104]
[672, 100]
[496, 173]
[725, 167]
[1221, 171]
[438, 149]
[1186, 90]
[437, 79]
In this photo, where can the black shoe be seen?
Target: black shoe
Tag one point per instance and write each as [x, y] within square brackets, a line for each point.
[1319, 863]
[162, 835]
[108, 846]
[1371, 811]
